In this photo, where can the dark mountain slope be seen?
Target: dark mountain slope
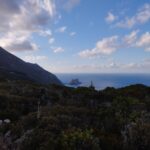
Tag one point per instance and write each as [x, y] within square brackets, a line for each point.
[14, 68]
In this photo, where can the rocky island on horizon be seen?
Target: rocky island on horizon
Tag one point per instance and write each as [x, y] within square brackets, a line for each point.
[75, 82]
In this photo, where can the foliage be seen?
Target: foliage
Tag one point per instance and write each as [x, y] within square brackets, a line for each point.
[75, 119]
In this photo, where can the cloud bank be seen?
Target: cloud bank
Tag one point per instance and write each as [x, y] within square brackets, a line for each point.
[20, 19]
[142, 16]
[106, 46]
[109, 45]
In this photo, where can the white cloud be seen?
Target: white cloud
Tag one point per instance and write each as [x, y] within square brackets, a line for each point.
[142, 66]
[128, 23]
[129, 40]
[142, 16]
[21, 19]
[110, 17]
[114, 66]
[62, 29]
[97, 67]
[144, 41]
[106, 46]
[72, 33]
[51, 40]
[45, 33]
[49, 6]
[135, 41]
[69, 4]
[34, 59]
[17, 41]
[58, 50]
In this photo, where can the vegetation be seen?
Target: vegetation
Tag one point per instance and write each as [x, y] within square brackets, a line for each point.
[61, 118]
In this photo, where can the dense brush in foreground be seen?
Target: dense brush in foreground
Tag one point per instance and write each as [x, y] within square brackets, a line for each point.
[36, 117]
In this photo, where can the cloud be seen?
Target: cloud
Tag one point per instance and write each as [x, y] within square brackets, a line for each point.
[45, 33]
[144, 41]
[24, 46]
[51, 40]
[114, 66]
[109, 45]
[97, 67]
[135, 41]
[129, 40]
[106, 46]
[142, 16]
[21, 19]
[110, 17]
[34, 59]
[17, 41]
[62, 29]
[72, 33]
[69, 4]
[58, 50]
[142, 66]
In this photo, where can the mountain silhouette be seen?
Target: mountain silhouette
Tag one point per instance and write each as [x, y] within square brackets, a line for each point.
[12, 67]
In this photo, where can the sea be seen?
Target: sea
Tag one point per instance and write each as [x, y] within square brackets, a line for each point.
[101, 81]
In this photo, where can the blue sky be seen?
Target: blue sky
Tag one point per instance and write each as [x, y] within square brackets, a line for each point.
[79, 36]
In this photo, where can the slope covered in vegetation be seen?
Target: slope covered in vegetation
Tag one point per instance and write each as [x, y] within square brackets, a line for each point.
[37, 117]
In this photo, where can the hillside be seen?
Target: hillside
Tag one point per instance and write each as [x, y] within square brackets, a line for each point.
[11, 67]
[73, 119]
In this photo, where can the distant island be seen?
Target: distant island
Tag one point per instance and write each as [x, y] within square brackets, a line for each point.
[75, 82]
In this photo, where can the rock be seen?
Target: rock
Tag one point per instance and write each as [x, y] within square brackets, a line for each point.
[7, 121]
[75, 82]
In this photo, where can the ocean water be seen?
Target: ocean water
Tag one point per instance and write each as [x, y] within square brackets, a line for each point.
[102, 81]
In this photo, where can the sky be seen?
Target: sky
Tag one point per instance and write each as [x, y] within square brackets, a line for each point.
[78, 36]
